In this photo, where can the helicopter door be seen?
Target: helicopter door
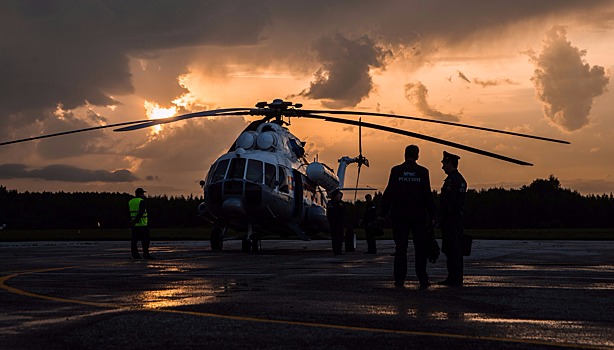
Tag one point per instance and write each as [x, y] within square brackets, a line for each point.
[298, 194]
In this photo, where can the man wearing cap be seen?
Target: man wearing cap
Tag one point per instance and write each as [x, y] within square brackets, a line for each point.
[139, 225]
[451, 207]
[409, 201]
[336, 218]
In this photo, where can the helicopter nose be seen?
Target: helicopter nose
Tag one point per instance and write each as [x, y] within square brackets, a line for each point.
[234, 205]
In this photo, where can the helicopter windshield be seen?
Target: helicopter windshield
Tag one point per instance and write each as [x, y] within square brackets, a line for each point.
[248, 169]
[220, 171]
[237, 168]
[254, 171]
[269, 174]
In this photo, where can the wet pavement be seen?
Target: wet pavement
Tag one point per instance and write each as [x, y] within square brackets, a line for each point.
[297, 295]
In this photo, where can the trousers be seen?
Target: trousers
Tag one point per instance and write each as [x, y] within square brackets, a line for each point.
[452, 247]
[139, 233]
[401, 230]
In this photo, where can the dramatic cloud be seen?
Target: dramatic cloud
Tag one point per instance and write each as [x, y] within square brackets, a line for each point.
[100, 60]
[417, 94]
[188, 146]
[61, 172]
[344, 78]
[72, 52]
[565, 83]
[82, 143]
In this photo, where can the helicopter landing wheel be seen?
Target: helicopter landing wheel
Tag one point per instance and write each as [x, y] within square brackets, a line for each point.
[256, 245]
[246, 245]
[216, 239]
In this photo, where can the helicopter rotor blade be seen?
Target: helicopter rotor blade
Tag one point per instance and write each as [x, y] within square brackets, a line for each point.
[357, 177]
[211, 113]
[419, 136]
[73, 132]
[307, 112]
[359, 155]
[360, 137]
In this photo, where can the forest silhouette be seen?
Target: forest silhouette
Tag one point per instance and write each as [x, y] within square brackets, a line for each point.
[542, 204]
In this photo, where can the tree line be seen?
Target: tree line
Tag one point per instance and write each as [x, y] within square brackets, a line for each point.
[542, 204]
[86, 210]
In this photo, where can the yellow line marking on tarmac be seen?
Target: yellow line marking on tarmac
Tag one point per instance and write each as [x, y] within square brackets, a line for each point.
[17, 291]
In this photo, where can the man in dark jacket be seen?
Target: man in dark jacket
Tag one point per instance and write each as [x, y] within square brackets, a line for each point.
[369, 218]
[336, 220]
[451, 207]
[409, 201]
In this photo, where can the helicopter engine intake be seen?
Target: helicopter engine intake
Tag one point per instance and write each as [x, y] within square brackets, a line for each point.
[266, 140]
[247, 140]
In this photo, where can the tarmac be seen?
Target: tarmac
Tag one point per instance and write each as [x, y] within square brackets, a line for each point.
[298, 295]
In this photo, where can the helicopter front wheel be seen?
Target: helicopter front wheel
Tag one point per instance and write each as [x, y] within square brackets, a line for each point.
[250, 245]
[256, 245]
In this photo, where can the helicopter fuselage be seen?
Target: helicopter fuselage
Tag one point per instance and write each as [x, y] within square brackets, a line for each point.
[260, 187]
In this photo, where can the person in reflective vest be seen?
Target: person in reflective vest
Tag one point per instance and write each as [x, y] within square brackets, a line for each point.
[139, 226]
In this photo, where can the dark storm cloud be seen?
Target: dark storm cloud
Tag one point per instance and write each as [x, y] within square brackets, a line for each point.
[344, 78]
[73, 51]
[78, 144]
[451, 22]
[417, 94]
[565, 82]
[62, 172]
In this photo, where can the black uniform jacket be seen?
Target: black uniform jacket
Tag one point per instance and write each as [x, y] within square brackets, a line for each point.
[335, 214]
[408, 194]
[370, 214]
[452, 199]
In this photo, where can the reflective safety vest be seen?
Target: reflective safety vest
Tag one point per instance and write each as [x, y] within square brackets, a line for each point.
[134, 205]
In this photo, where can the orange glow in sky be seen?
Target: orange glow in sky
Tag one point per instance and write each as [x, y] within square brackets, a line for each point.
[540, 69]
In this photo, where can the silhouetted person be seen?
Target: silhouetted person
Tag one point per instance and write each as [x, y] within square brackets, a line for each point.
[451, 207]
[369, 218]
[139, 225]
[409, 201]
[335, 213]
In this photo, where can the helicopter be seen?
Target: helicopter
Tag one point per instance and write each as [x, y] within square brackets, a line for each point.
[265, 185]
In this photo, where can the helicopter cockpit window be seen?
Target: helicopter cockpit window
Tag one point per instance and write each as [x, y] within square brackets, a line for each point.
[237, 168]
[220, 171]
[283, 181]
[269, 174]
[254, 171]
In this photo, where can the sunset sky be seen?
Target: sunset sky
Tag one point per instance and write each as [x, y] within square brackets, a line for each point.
[538, 67]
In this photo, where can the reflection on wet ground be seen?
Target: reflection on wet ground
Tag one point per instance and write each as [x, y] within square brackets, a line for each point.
[517, 294]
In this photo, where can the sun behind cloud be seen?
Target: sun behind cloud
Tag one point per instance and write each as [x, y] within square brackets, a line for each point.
[155, 111]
